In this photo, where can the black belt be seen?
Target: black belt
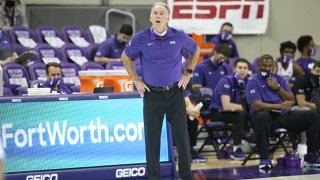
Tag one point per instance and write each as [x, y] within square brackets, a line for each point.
[162, 89]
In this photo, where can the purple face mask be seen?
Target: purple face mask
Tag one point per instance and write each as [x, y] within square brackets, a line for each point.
[55, 81]
[312, 51]
[240, 80]
[226, 36]
[286, 59]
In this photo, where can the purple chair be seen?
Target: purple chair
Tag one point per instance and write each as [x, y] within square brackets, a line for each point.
[37, 71]
[74, 31]
[47, 31]
[70, 76]
[69, 50]
[91, 66]
[16, 75]
[22, 32]
[95, 33]
[46, 51]
[114, 66]
[91, 51]
[7, 92]
[18, 48]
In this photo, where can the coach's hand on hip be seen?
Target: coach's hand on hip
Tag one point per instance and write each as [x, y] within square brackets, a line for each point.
[184, 80]
[141, 86]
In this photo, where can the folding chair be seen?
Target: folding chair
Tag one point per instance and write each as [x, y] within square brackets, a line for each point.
[210, 126]
[279, 135]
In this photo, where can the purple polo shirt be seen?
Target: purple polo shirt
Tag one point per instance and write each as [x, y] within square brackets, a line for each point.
[160, 56]
[110, 48]
[306, 64]
[231, 44]
[208, 74]
[226, 86]
[258, 89]
[4, 40]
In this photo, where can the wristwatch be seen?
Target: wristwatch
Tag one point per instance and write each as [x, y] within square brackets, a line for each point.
[190, 71]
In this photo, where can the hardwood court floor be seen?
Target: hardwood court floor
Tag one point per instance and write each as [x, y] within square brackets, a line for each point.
[216, 168]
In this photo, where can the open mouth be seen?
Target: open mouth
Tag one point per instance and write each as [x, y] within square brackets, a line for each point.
[158, 22]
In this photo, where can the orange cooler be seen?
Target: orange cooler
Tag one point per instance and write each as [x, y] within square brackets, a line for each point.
[119, 79]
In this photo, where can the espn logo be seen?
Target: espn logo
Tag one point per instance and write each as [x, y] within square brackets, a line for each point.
[217, 9]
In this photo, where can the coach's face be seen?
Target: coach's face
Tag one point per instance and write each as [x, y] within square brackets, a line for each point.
[159, 18]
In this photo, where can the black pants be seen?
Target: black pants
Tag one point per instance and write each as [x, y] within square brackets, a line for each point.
[265, 122]
[237, 120]
[193, 131]
[156, 105]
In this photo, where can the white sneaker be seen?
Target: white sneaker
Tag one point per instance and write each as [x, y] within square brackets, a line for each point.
[302, 149]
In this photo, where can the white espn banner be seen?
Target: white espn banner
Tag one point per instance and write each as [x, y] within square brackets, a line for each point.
[206, 16]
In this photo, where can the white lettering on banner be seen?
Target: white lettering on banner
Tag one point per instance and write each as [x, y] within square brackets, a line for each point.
[62, 133]
[126, 85]
[247, 16]
[130, 172]
[42, 177]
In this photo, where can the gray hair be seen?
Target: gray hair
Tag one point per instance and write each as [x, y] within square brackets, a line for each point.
[161, 4]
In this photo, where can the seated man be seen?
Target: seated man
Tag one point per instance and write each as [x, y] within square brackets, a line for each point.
[225, 37]
[210, 71]
[270, 100]
[306, 46]
[286, 67]
[1, 161]
[226, 103]
[306, 90]
[192, 121]
[111, 49]
[53, 71]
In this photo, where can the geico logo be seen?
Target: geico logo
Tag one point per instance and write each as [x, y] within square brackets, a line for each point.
[130, 172]
[42, 177]
[216, 9]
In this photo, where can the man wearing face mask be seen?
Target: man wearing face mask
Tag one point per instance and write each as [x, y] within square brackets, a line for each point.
[11, 15]
[225, 37]
[306, 46]
[226, 103]
[286, 68]
[270, 101]
[111, 49]
[210, 71]
[53, 82]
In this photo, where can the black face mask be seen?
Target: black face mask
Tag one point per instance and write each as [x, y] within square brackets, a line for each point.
[265, 74]
[10, 3]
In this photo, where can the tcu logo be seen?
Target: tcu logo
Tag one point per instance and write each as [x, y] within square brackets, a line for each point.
[42, 177]
[211, 9]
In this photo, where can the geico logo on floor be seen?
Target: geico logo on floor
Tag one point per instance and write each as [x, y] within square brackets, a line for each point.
[61, 133]
[130, 172]
[42, 177]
